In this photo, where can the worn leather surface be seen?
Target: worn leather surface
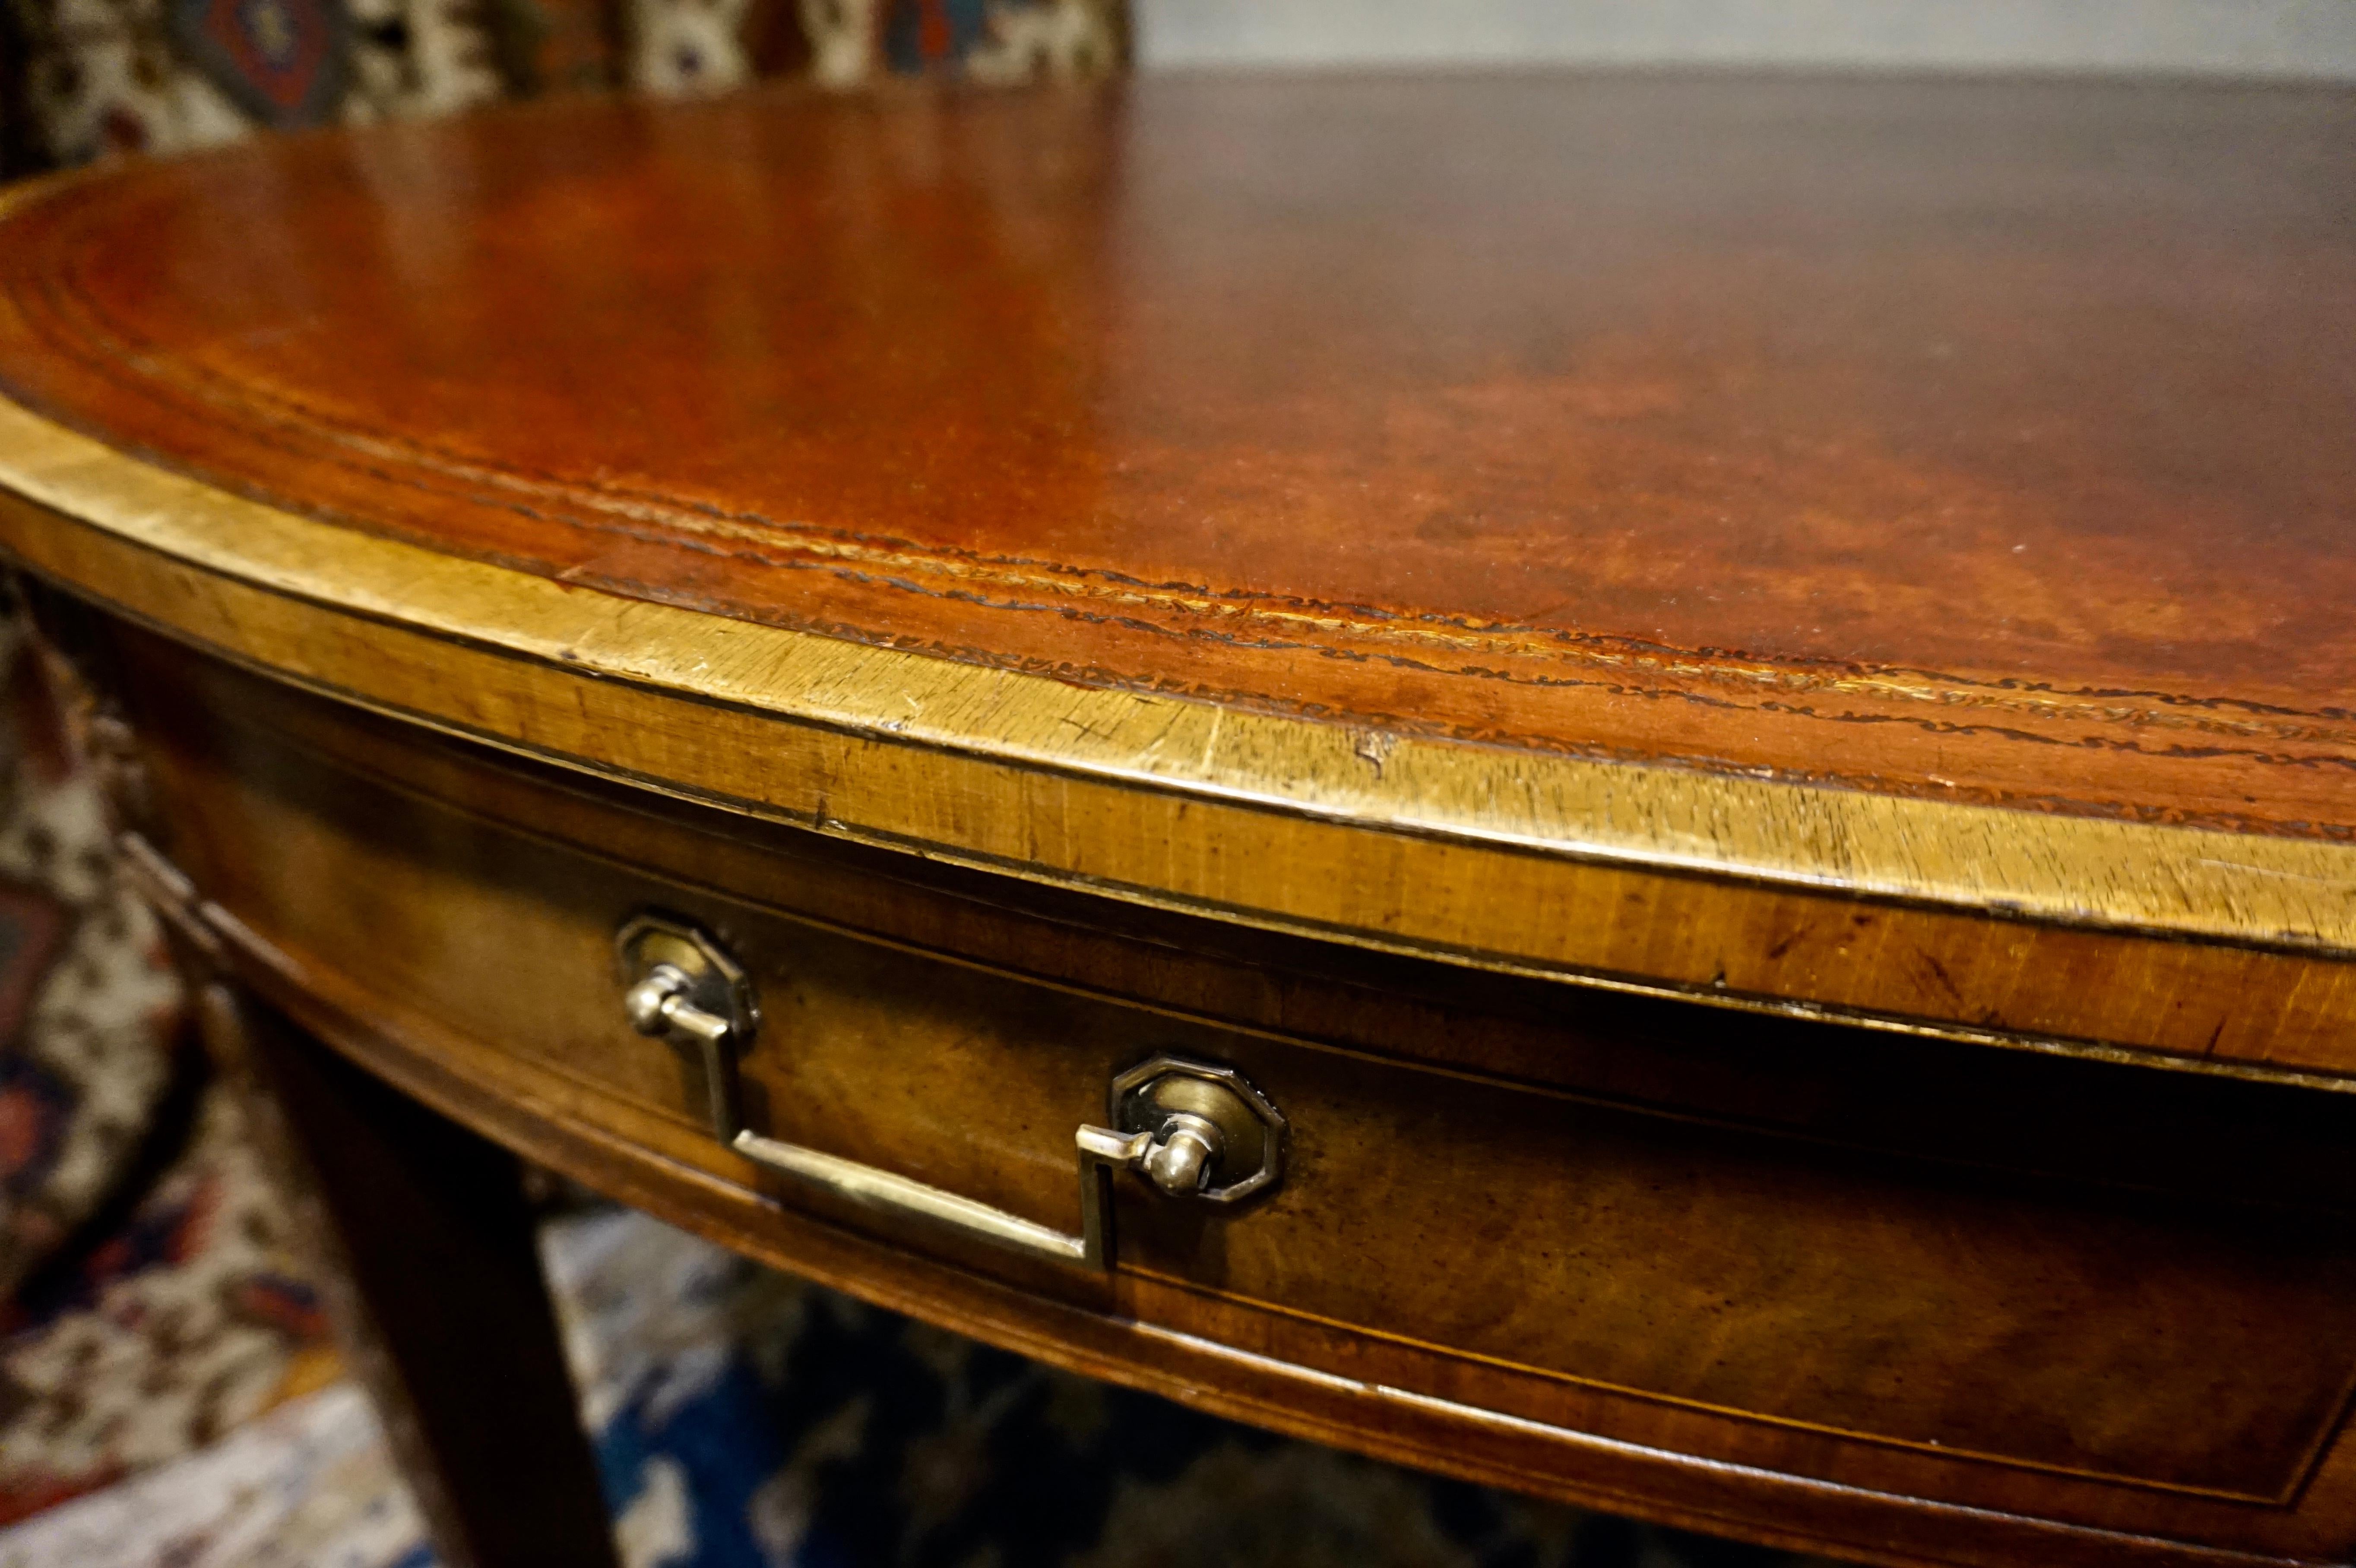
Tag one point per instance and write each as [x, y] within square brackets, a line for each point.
[1976, 441]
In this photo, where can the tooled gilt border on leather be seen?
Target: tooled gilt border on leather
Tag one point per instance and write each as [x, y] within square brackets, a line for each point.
[49, 300]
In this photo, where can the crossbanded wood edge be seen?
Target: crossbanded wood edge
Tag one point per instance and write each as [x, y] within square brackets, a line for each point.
[1021, 772]
[2293, 893]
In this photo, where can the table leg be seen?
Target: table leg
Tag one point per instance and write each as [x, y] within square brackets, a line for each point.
[432, 1278]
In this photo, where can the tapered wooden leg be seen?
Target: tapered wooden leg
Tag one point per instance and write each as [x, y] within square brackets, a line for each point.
[426, 1243]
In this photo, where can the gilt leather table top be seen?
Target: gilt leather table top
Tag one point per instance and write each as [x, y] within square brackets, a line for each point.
[1916, 491]
[1986, 441]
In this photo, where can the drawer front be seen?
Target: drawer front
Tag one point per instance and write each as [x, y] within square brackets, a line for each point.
[1807, 1304]
[2053, 1324]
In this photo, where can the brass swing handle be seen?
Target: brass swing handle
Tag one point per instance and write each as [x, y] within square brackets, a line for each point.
[1200, 1132]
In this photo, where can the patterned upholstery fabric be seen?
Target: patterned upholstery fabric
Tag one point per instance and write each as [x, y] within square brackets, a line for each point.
[151, 1302]
[89, 1008]
[81, 79]
[188, 1316]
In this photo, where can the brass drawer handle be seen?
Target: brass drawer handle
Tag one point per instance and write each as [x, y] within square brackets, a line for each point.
[1194, 1129]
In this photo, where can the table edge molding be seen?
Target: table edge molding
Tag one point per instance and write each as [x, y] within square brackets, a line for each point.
[2284, 893]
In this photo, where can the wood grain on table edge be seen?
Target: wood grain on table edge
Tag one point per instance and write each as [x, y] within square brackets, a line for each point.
[928, 753]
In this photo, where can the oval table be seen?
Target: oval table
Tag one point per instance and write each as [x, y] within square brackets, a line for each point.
[1637, 787]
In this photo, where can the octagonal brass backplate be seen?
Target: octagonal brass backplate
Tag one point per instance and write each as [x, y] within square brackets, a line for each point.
[1251, 1130]
[716, 983]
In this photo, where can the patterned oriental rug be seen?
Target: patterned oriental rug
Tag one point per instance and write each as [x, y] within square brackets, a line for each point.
[745, 1419]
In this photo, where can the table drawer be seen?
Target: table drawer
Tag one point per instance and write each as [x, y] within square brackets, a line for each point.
[1473, 1208]
[2040, 1322]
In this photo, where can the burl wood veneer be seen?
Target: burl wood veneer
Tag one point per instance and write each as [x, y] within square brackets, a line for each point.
[1730, 694]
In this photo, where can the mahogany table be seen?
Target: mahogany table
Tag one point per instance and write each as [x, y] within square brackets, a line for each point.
[1639, 787]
